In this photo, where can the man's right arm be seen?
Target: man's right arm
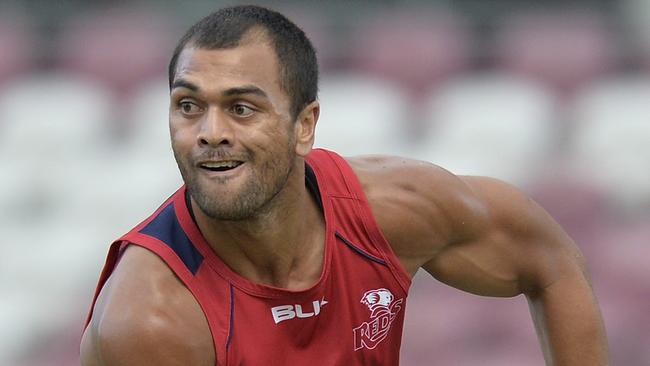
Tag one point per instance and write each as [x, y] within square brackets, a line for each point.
[145, 316]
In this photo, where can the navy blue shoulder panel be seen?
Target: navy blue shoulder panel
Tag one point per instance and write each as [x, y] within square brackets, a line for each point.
[166, 228]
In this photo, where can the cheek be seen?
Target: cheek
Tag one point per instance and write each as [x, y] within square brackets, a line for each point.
[270, 141]
[182, 136]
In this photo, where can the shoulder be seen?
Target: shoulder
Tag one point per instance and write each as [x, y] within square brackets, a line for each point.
[422, 208]
[144, 315]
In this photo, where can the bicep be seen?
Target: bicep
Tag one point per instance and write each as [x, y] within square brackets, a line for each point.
[145, 316]
[118, 344]
[516, 248]
[88, 351]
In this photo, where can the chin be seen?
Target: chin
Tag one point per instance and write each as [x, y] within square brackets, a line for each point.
[222, 203]
[229, 211]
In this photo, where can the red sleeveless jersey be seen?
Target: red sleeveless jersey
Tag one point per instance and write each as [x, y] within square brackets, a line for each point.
[352, 316]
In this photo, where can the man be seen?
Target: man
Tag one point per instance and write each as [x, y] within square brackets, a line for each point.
[276, 254]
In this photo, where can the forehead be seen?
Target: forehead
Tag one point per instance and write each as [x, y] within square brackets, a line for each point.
[250, 63]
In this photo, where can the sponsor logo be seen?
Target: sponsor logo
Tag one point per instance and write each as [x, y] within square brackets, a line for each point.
[383, 310]
[287, 312]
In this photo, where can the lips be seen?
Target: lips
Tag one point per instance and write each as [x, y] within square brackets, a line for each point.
[219, 165]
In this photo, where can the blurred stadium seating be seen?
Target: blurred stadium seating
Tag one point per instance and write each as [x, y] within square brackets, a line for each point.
[120, 47]
[510, 117]
[17, 46]
[564, 49]
[556, 101]
[611, 137]
[371, 112]
[413, 47]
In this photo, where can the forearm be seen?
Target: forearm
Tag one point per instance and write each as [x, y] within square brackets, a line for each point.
[568, 323]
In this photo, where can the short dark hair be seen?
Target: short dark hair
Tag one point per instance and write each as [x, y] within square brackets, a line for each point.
[297, 58]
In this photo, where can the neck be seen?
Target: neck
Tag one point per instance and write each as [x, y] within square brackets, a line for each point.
[280, 247]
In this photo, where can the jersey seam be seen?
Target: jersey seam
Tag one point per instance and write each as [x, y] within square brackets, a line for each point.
[360, 251]
[361, 206]
[343, 197]
[399, 273]
[164, 252]
[231, 322]
[351, 193]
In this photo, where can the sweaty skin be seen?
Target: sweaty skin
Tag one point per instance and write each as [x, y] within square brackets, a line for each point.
[477, 234]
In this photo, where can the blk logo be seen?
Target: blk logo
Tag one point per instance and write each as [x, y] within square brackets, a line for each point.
[287, 312]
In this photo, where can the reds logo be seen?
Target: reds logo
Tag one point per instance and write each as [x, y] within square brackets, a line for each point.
[383, 310]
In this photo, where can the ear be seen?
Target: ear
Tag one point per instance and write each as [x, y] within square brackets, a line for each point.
[304, 128]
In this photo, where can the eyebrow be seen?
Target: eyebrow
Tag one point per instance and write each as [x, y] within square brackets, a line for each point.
[182, 83]
[247, 89]
[242, 90]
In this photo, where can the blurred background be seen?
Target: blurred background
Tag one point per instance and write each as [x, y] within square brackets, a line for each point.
[553, 96]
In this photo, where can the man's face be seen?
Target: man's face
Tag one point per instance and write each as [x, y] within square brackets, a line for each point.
[231, 128]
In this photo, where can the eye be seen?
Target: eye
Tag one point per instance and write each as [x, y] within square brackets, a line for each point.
[242, 110]
[188, 107]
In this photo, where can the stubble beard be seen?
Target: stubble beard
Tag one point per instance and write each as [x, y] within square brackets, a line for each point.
[253, 199]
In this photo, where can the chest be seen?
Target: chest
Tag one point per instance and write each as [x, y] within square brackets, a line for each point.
[354, 316]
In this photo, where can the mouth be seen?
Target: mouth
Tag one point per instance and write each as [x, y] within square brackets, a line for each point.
[219, 165]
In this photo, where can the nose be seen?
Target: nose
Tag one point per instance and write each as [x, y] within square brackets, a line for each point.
[216, 130]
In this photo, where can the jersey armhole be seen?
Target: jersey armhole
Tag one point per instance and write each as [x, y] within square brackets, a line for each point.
[369, 223]
[114, 253]
[172, 261]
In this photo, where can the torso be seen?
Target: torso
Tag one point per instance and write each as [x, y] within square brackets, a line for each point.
[351, 316]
